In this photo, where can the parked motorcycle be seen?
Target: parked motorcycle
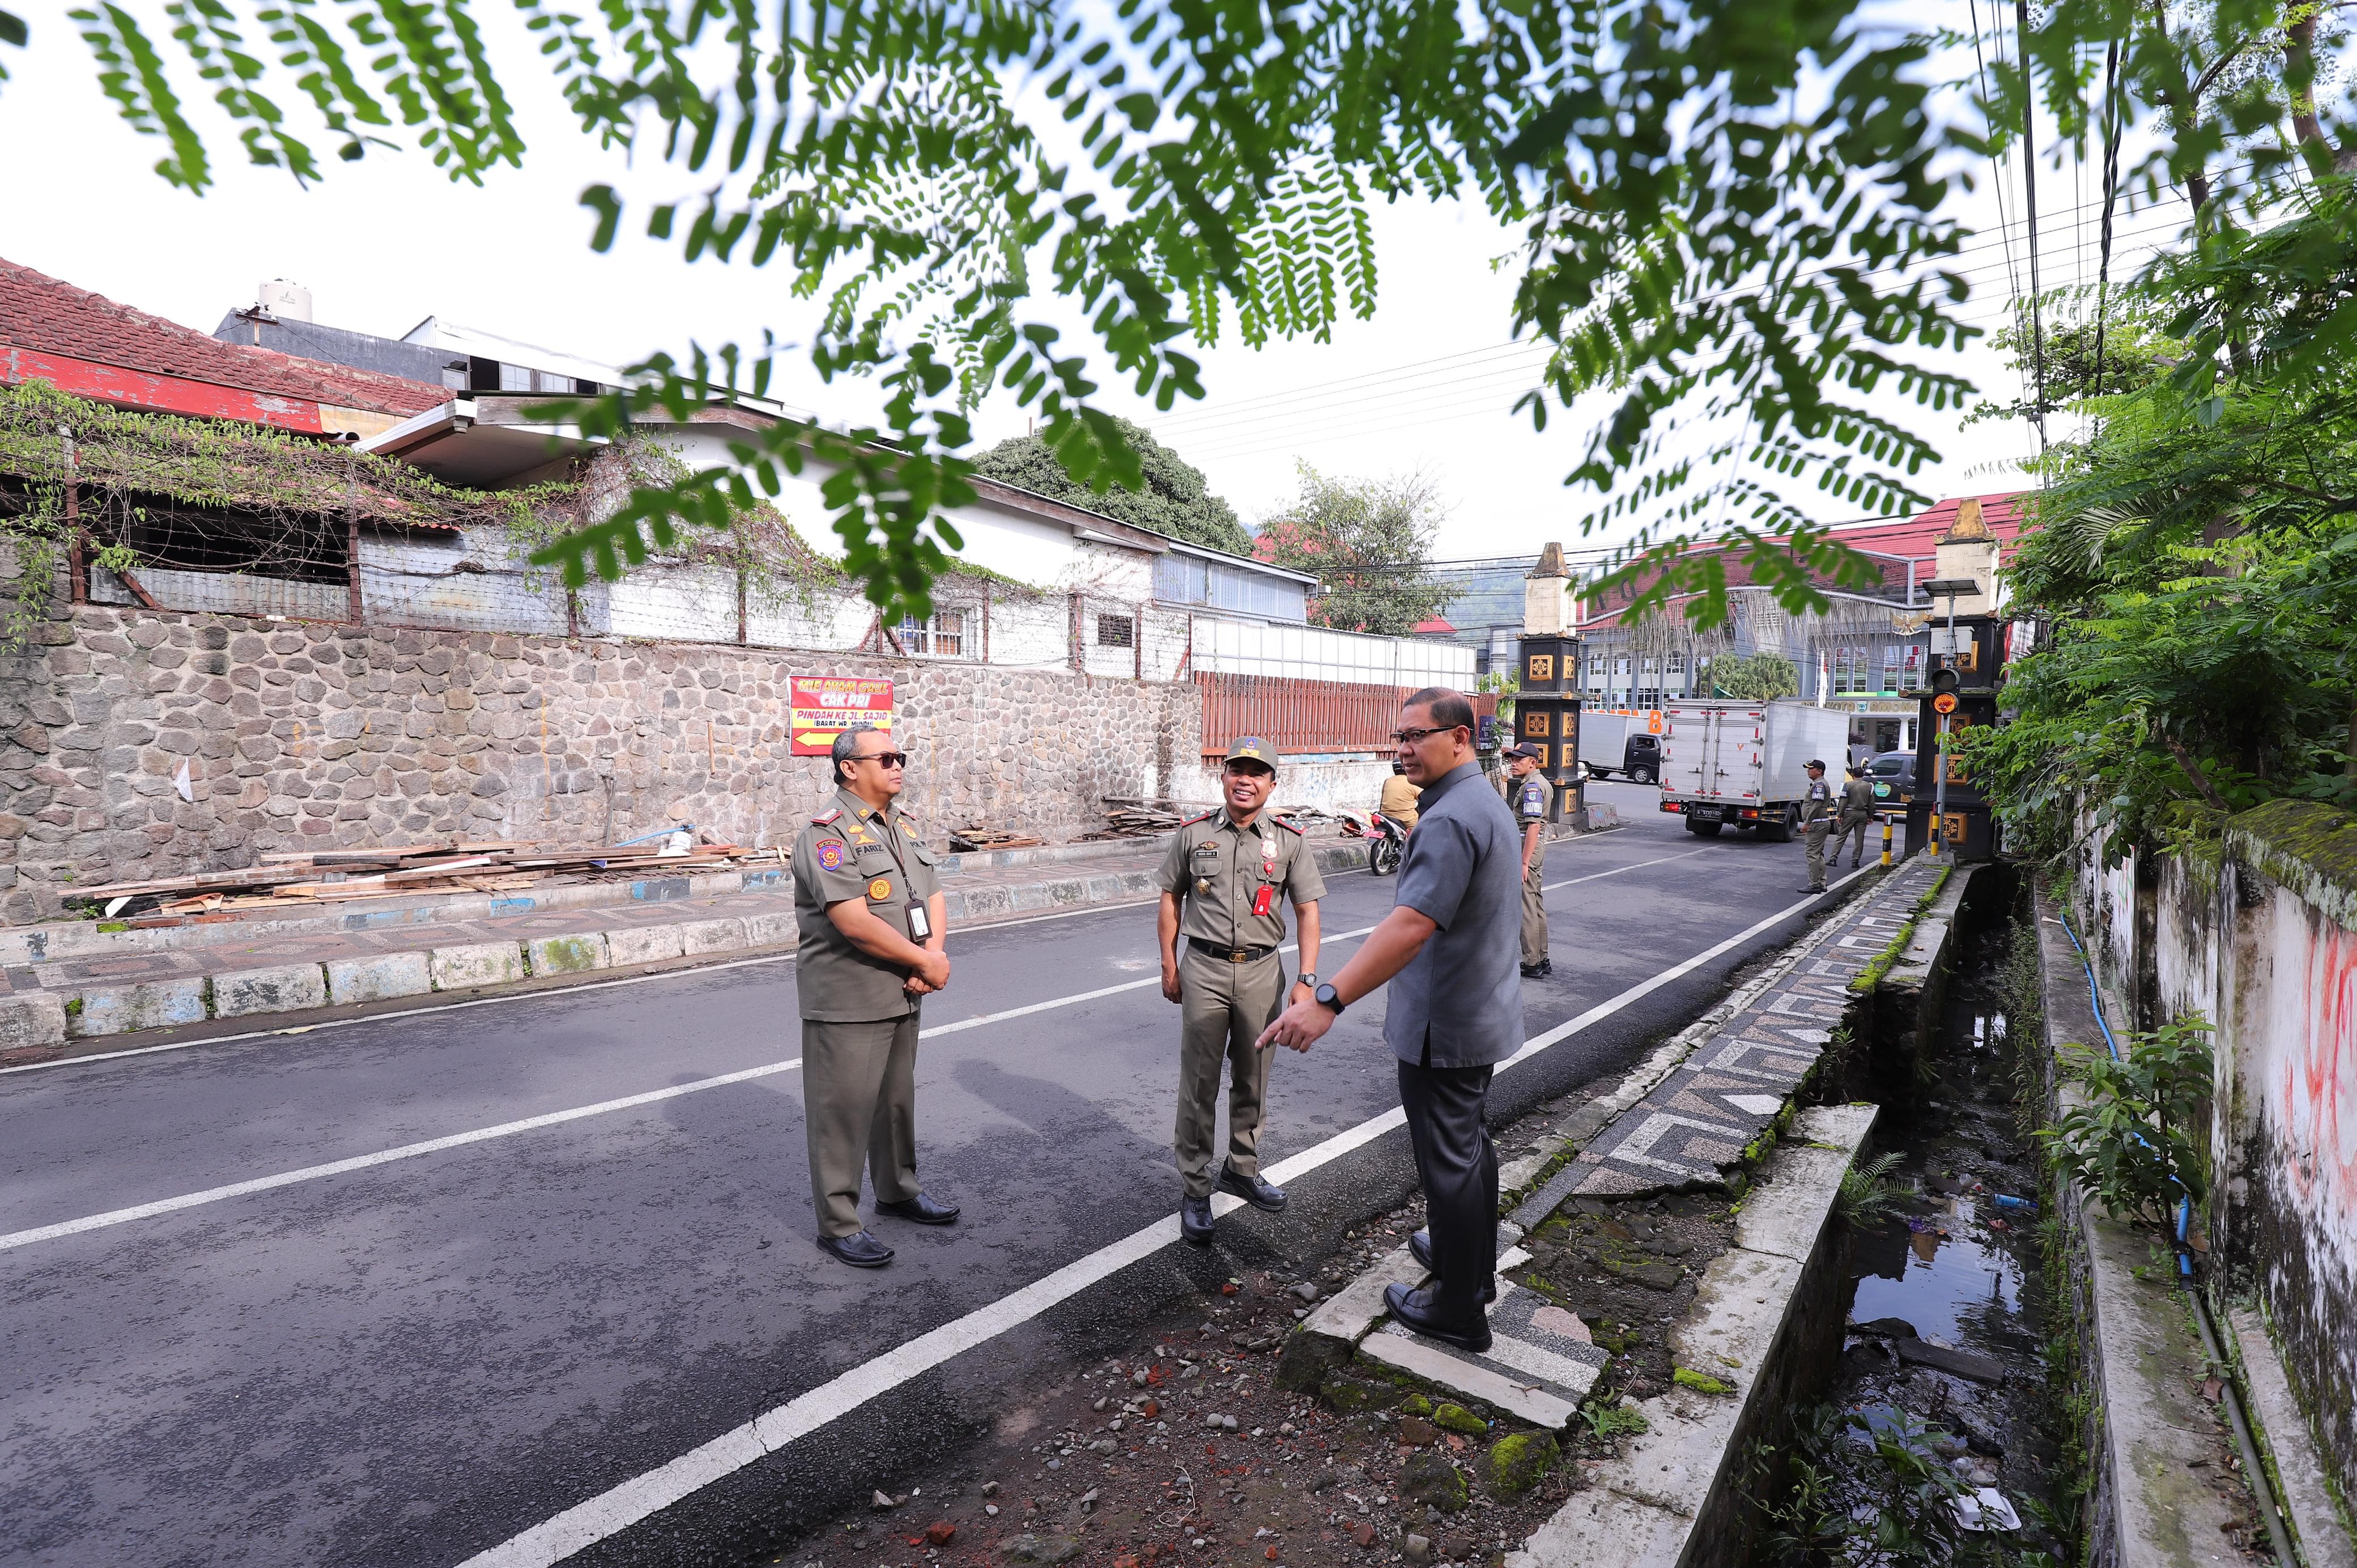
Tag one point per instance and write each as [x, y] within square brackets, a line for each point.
[1387, 840]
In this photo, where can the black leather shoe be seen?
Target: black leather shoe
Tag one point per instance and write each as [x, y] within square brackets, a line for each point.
[920, 1208]
[1252, 1189]
[1195, 1220]
[1420, 1312]
[1419, 1246]
[1808, 889]
[1533, 971]
[860, 1249]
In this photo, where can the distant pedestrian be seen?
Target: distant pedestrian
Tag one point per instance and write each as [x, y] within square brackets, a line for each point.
[1531, 799]
[1816, 818]
[873, 924]
[1220, 929]
[1856, 815]
[1454, 1012]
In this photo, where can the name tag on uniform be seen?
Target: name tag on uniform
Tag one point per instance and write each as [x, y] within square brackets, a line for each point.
[1263, 900]
[920, 925]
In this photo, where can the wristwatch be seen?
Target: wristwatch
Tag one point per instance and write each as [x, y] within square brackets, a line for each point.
[1309, 980]
[1324, 996]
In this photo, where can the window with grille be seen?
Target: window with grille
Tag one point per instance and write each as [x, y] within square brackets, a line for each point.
[1853, 672]
[944, 637]
[1117, 631]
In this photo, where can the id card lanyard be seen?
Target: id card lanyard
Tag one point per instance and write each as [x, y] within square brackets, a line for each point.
[921, 921]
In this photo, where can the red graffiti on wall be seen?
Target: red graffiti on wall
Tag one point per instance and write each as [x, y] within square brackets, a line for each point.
[2319, 1096]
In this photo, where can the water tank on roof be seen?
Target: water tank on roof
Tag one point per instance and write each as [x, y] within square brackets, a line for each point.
[286, 301]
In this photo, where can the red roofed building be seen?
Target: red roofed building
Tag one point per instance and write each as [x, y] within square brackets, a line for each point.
[87, 345]
[1866, 650]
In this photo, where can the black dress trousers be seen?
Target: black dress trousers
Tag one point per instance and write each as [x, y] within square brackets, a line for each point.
[1458, 1167]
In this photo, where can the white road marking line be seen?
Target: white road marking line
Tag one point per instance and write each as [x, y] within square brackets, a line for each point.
[554, 1118]
[980, 1019]
[383, 1158]
[612, 1511]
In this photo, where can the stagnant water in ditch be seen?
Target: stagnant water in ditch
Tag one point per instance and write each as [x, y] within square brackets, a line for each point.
[1945, 1353]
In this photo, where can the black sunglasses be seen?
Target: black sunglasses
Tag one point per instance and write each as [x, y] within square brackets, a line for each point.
[888, 758]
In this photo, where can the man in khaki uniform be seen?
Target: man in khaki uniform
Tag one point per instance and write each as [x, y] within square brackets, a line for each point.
[1816, 820]
[873, 924]
[1220, 929]
[1856, 813]
[1528, 797]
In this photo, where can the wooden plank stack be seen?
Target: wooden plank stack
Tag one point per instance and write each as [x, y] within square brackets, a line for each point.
[318, 877]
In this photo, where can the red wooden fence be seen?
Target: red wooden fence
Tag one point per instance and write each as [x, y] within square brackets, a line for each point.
[1304, 715]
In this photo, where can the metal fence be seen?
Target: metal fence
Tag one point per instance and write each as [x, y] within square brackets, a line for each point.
[1304, 715]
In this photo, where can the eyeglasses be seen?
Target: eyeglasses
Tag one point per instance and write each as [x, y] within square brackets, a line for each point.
[1410, 737]
[884, 758]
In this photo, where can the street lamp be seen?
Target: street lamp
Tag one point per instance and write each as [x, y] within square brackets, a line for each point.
[1951, 589]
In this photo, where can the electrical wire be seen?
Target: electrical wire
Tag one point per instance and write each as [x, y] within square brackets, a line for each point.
[2029, 203]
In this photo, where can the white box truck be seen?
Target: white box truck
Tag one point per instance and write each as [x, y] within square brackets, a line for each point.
[1743, 765]
[1624, 743]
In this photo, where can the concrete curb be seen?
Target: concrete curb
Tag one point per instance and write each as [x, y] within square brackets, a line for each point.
[765, 923]
[1764, 1314]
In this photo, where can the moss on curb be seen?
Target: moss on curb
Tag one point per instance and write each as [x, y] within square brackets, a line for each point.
[1701, 1383]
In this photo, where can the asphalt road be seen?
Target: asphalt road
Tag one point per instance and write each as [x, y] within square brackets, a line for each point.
[411, 1361]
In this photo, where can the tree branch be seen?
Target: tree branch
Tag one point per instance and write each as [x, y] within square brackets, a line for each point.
[2185, 761]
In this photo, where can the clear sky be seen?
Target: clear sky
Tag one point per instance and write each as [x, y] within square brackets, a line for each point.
[1425, 386]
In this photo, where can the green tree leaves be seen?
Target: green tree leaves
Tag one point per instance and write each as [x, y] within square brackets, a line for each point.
[1172, 499]
[1368, 543]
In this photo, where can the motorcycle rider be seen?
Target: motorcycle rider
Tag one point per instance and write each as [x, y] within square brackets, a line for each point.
[1399, 799]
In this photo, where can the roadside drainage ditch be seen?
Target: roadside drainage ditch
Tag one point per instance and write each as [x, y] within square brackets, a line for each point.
[1938, 1426]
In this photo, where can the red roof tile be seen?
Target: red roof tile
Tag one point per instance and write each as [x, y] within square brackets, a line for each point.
[38, 313]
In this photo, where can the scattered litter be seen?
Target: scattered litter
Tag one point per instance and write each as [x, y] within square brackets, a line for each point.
[1985, 1509]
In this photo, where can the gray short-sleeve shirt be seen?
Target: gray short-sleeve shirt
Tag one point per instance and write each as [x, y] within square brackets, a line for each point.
[1462, 997]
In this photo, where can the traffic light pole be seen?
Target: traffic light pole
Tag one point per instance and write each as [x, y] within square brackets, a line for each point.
[1940, 751]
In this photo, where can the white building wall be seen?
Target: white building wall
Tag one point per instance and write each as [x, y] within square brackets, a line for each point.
[1315, 653]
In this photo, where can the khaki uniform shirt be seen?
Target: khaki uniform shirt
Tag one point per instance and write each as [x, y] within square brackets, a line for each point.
[1218, 870]
[1856, 802]
[853, 849]
[1817, 803]
[1399, 799]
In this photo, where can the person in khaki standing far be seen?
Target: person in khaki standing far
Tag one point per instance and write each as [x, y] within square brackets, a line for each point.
[1856, 815]
[1220, 929]
[1816, 820]
[872, 924]
[1530, 800]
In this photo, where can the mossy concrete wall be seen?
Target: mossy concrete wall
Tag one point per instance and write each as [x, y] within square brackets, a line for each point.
[2254, 926]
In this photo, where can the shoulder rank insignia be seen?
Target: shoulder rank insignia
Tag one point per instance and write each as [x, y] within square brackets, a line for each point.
[1206, 817]
[1289, 825]
[826, 816]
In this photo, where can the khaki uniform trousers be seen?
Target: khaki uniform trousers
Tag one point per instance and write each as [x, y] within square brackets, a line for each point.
[1535, 926]
[1854, 831]
[1815, 833]
[860, 1099]
[1224, 1008]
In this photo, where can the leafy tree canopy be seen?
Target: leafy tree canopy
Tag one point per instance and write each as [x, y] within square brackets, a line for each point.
[1754, 677]
[2196, 558]
[1367, 542]
[1728, 210]
[1174, 501]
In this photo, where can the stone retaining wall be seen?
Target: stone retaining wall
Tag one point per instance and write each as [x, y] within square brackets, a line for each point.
[305, 735]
